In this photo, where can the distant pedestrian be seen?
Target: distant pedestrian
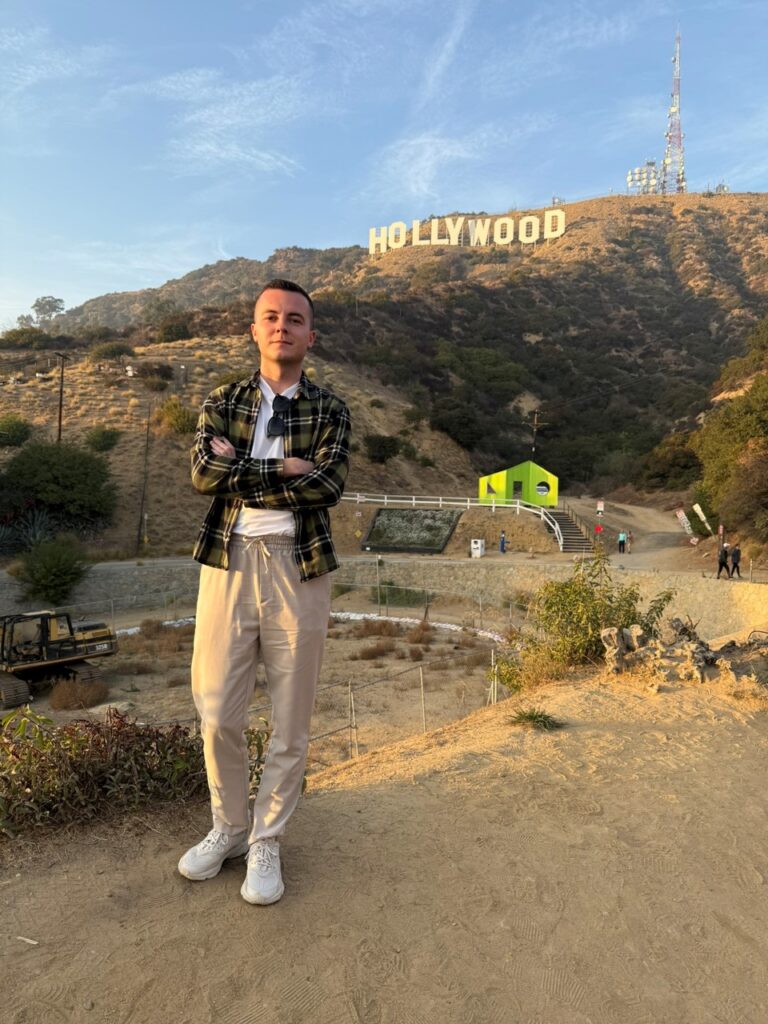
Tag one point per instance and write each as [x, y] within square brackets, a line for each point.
[630, 538]
[622, 542]
[503, 542]
[736, 560]
[722, 561]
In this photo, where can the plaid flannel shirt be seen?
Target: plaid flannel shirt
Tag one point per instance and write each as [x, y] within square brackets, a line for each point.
[317, 428]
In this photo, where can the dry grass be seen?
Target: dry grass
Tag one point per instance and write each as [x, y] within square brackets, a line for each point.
[378, 650]
[376, 627]
[69, 694]
[423, 633]
[177, 681]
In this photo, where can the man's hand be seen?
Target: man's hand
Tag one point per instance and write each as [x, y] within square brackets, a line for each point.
[221, 446]
[297, 467]
[291, 467]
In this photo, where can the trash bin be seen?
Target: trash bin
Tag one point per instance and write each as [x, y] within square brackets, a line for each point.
[477, 547]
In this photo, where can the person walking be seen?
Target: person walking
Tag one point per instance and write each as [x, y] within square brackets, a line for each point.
[273, 453]
[503, 542]
[622, 538]
[722, 561]
[630, 538]
[735, 560]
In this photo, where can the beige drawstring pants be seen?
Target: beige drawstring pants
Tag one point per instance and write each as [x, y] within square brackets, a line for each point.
[257, 607]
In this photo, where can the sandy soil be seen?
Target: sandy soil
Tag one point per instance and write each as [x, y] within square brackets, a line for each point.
[613, 872]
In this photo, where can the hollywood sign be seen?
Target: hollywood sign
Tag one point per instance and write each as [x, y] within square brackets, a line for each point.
[466, 230]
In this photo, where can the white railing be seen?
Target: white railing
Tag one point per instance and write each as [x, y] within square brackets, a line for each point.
[437, 501]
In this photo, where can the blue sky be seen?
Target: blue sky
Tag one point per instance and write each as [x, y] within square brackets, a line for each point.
[139, 141]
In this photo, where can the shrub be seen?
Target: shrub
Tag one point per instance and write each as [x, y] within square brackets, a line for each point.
[14, 431]
[377, 650]
[164, 371]
[571, 613]
[77, 693]
[101, 438]
[173, 328]
[82, 770]
[177, 417]
[71, 483]
[535, 718]
[51, 569]
[26, 337]
[110, 350]
[381, 447]
[155, 383]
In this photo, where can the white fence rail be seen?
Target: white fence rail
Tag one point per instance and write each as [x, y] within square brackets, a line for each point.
[437, 501]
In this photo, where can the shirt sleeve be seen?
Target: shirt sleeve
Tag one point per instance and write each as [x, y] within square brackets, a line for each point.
[221, 476]
[324, 486]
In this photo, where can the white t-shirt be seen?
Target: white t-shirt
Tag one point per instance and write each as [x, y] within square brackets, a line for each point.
[257, 522]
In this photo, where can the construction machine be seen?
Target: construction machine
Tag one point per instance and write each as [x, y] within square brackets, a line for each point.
[36, 647]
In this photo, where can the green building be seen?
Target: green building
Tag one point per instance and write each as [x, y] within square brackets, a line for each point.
[526, 482]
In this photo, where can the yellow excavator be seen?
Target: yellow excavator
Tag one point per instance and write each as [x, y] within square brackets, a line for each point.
[36, 647]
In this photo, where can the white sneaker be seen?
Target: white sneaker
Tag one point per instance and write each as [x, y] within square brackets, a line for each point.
[205, 860]
[263, 884]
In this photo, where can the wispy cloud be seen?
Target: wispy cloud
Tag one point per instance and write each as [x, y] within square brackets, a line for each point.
[443, 55]
[224, 123]
[30, 58]
[543, 43]
[144, 261]
[432, 165]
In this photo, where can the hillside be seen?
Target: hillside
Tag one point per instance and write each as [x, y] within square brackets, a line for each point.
[633, 311]
[102, 394]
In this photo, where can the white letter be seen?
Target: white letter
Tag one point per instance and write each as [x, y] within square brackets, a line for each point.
[478, 231]
[454, 226]
[397, 235]
[503, 230]
[434, 227]
[554, 223]
[377, 238]
[416, 233]
[528, 230]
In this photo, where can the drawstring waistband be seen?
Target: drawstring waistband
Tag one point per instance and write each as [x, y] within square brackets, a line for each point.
[276, 541]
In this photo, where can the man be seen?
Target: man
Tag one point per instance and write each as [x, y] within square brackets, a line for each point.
[273, 452]
[722, 561]
[735, 560]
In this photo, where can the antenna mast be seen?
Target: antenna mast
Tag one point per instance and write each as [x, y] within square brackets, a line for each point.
[673, 164]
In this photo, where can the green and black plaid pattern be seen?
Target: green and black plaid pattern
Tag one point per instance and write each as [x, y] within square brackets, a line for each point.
[317, 428]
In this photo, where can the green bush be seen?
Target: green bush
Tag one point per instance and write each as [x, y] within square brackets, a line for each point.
[173, 328]
[51, 570]
[70, 482]
[14, 431]
[26, 337]
[571, 613]
[79, 771]
[177, 417]
[381, 447]
[110, 350]
[163, 371]
[58, 775]
[101, 438]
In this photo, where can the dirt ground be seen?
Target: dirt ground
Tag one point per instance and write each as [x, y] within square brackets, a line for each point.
[611, 872]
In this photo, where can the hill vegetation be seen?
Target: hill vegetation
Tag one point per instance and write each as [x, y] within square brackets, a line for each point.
[618, 333]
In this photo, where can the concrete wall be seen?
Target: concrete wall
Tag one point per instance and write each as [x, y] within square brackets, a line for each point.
[718, 606]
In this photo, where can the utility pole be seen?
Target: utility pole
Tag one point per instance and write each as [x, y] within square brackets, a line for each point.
[62, 357]
[535, 428]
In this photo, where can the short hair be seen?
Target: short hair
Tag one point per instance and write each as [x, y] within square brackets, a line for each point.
[281, 284]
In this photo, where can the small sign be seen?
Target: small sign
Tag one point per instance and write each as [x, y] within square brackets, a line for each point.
[359, 534]
[600, 507]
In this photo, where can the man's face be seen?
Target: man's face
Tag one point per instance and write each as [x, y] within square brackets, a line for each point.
[282, 328]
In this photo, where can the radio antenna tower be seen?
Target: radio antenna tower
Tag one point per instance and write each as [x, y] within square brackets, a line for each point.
[673, 165]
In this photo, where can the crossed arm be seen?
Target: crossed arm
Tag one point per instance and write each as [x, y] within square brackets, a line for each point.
[290, 483]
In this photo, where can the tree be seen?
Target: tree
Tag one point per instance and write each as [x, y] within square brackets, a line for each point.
[46, 308]
[25, 320]
[69, 482]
